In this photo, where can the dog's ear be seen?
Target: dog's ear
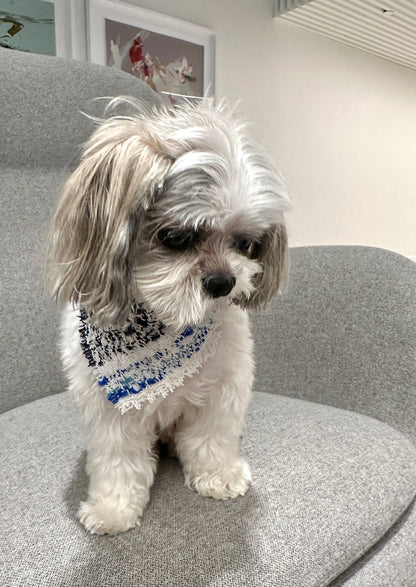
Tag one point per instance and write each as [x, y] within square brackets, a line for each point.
[272, 254]
[95, 228]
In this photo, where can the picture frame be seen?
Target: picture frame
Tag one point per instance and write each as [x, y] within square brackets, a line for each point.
[70, 29]
[176, 58]
[28, 25]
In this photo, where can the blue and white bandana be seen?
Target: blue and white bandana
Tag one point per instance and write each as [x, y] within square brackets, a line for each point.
[144, 360]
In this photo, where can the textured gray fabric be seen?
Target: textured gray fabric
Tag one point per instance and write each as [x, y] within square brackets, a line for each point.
[328, 484]
[42, 128]
[28, 348]
[391, 562]
[344, 333]
[41, 98]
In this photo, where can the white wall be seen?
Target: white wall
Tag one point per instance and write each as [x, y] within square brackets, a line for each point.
[340, 123]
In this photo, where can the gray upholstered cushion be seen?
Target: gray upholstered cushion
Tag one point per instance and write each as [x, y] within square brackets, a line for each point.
[344, 333]
[391, 562]
[328, 484]
[29, 359]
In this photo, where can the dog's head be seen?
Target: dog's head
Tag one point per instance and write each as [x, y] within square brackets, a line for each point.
[174, 208]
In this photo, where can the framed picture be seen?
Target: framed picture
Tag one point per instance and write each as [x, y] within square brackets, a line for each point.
[174, 57]
[28, 25]
[50, 27]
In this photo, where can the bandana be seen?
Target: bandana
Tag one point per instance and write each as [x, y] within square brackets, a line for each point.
[144, 360]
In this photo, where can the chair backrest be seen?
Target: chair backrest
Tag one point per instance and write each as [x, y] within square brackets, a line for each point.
[42, 128]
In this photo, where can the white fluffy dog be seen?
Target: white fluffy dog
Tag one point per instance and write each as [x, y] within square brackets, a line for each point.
[171, 226]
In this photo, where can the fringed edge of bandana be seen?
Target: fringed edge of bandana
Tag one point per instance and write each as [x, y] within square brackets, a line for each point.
[132, 384]
[164, 388]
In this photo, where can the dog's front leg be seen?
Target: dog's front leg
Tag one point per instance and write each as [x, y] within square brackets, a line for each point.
[208, 444]
[121, 466]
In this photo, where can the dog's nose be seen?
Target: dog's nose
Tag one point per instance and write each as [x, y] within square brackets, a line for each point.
[218, 284]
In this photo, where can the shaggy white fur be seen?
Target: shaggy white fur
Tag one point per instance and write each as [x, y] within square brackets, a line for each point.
[180, 211]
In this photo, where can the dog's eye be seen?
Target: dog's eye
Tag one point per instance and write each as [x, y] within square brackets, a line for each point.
[177, 240]
[243, 245]
[246, 246]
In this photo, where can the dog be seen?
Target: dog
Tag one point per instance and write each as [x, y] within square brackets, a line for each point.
[169, 229]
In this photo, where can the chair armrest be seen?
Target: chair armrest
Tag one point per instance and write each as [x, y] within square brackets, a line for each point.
[344, 333]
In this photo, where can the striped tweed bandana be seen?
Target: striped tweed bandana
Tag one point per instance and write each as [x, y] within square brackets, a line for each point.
[144, 360]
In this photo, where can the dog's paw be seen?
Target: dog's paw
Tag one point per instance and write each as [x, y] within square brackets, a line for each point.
[224, 483]
[102, 517]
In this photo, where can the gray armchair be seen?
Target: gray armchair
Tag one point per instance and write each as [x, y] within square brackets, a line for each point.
[330, 427]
